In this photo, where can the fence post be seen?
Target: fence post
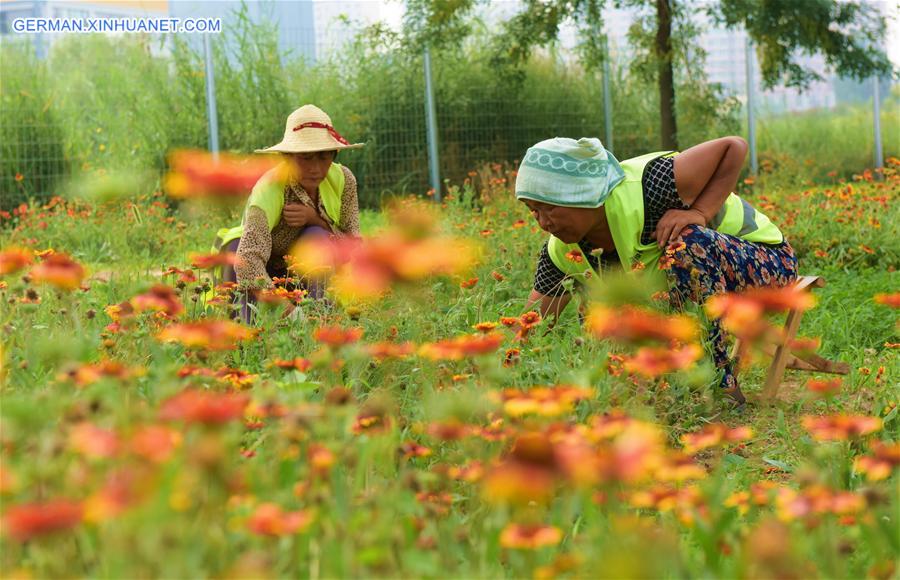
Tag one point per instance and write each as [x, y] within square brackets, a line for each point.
[876, 110]
[431, 129]
[751, 114]
[212, 117]
[607, 98]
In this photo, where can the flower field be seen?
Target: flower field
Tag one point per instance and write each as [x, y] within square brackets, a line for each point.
[423, 422]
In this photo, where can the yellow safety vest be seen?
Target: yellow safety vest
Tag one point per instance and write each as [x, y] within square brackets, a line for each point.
[625, 214]
[268, 195]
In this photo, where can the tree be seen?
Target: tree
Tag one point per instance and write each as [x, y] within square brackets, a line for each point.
[848, 34]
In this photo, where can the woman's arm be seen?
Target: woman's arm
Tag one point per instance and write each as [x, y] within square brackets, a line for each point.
[349, 222]
[254, 249]
[548, 305]
[705, 175]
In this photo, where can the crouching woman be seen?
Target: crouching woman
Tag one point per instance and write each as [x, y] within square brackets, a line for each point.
[318, 198]
[603, 213]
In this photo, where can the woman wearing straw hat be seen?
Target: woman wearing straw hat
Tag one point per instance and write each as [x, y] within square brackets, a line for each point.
[317, 199]
[671, 215]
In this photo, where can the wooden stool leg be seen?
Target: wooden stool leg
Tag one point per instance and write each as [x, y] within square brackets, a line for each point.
[779, 362]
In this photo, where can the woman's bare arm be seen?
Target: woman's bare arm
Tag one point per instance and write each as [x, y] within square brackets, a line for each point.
[548, 305]
[706, 173]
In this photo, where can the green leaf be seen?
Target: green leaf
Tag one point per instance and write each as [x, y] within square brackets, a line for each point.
[779, 464]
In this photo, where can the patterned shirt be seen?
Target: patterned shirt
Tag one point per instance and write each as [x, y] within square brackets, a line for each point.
[261, 252]
[658, 184]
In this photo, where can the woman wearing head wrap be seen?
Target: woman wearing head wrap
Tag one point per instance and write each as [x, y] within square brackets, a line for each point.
[674, 207]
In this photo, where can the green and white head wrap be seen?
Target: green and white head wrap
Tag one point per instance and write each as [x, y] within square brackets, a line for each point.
[570, 173]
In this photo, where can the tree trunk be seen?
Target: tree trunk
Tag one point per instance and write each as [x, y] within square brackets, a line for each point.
[668, 127]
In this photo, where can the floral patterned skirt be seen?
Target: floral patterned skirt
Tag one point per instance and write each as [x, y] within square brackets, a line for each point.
[713, 263]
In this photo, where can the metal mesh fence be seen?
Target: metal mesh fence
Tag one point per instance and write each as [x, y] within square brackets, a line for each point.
[72, 111]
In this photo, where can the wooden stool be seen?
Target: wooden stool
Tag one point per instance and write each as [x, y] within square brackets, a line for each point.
[783, 358]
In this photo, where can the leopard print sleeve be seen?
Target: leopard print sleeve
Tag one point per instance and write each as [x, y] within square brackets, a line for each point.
[349, 222]
[254, 250]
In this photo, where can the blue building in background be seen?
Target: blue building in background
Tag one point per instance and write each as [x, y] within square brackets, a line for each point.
[292, 20]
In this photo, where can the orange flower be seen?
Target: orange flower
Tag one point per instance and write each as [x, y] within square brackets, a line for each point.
[769, 299]
[155, 443]
[207, 334]
[270, 519]
[471, 472]
[213, 260]
[279, 295]
[665, 262]
[93, 442]
[462, 346]
[892, 300]
[198, 174]
[713, 435]
[186, 276]
[13, 260]
[575, 256]
[511, 357]
[208, 407]
[664, 498]
[529, 320]
[371, 422]
[335, 336]
[364, 269]
[411, 449]
[739, 500]
[298, 364]
[236, 378]
[159, 298]
[19, 177]
[509, 321]
[807, 345]
[497, 276]
[385, 350]
[26, 521]
[88, 374]
[679, 467]
[120, 491]
[321, 459]
[545, 401]
[827, 388]
[656, 361]
[675, 247]
[884, 459]
[634, 324]
[529, 537]
[59, 270]
[470, 283]
[485, 327]
[451, 430]
[840, 427]
[437, 502]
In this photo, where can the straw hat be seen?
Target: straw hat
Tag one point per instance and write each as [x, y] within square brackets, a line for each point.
[308, 130]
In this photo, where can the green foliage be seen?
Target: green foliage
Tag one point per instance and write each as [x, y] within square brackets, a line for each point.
[32, 141]
[848, 34]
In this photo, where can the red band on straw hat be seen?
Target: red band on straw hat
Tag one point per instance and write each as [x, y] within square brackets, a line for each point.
[314, 125]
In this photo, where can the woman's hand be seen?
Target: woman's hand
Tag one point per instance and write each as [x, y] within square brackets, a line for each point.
[298, 215]
[675, 220]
